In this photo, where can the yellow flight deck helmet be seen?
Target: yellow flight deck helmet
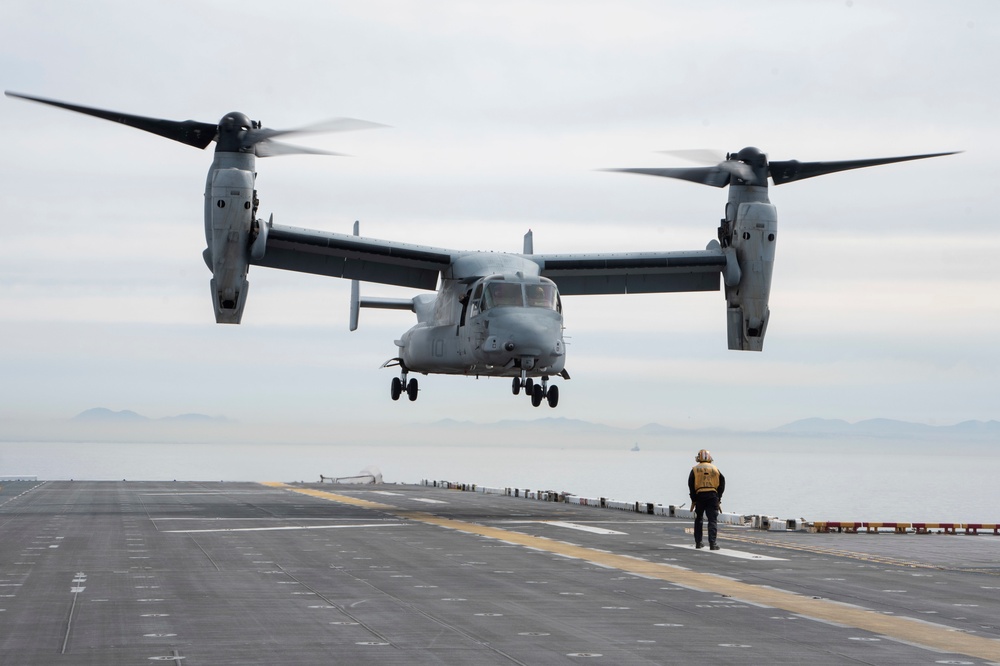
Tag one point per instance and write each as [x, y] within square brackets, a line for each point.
[703, 456]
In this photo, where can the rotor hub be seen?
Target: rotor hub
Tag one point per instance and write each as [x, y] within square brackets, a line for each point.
[752, 156]
[233, 129]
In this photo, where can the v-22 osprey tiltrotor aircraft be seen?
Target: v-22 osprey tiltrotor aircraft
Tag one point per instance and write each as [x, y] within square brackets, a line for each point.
[494, 314]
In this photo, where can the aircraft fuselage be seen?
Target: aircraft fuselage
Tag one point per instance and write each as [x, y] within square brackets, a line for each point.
[502, 325]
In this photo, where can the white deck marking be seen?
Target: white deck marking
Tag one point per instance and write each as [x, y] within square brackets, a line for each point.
[385, 492]
[731, 553]
[582, 528]
[284, 528]
[568, 525]
[259, 519]
[427, 501]
[201, 492]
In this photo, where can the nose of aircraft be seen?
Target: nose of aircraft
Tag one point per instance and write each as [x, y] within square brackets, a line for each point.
[528, 333]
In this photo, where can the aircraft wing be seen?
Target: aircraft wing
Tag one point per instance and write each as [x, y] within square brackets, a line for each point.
[352, 257]
[633, 272]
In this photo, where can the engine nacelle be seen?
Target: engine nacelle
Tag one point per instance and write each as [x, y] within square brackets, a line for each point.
[754, 232]
[231, 200]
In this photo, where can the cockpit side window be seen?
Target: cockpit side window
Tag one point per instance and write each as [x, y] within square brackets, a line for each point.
[475, 304]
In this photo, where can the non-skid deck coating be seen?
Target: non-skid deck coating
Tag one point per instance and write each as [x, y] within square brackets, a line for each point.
[244, 573]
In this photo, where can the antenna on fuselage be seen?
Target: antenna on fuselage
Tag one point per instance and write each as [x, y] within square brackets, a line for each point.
[529, 243]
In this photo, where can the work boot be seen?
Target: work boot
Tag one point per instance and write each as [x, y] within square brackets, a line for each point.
[714, 546]
[699, 544]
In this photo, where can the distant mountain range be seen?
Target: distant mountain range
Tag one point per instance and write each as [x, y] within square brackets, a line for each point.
[102, 415]
[812, 427]
[885, 428]
[557, 429]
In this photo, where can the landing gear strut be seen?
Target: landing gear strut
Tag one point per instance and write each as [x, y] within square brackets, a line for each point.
[523, 381]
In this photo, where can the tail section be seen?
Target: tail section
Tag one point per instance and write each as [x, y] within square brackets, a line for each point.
[371, 302]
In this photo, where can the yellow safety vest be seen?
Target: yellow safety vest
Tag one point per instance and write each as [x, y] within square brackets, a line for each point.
[706, 477]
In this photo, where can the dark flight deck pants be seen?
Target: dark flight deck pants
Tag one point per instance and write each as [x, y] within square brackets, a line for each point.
[706, 504]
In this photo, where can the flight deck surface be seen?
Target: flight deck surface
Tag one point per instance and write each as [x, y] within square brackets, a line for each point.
[245, 573]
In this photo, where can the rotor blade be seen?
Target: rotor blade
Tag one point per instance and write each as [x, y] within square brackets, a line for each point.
[332, 125]
[710, 157]
[705, 156]
[191, 132]
[790, 170]
[741, 170]
[713, 176]
[266, 148]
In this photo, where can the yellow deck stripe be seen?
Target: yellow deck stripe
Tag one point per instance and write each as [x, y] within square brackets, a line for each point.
[913, 631]
[344, 499]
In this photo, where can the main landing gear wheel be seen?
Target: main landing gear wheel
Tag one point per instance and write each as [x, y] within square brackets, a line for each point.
[540, 392]
[553, 396]
[400, 384]
[515, 386]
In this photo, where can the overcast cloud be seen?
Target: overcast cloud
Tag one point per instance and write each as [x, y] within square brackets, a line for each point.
[885, 300]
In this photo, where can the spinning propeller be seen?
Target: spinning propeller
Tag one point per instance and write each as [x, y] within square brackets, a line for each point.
[751, 167]
[234, 133]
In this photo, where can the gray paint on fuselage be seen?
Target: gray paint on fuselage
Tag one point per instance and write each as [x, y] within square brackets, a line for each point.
[454, 336]
[475, 265]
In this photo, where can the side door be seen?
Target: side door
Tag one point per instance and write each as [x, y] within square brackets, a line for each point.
[472, 325]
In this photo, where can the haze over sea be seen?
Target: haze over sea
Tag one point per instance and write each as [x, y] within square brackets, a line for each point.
[826, 471]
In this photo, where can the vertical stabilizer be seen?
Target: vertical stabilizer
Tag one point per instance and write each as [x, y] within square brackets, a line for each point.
[355, 289]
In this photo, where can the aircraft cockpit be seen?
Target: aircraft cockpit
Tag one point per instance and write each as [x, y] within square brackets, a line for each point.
[507, 291]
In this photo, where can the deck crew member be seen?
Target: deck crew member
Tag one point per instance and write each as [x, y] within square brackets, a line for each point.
[706, 485]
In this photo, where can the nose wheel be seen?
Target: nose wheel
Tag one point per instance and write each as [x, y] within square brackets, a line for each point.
[526, 382]
[537, 393]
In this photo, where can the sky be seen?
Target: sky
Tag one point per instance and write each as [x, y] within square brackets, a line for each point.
[501, 118]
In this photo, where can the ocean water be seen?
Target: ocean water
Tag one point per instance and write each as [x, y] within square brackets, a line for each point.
[821, 481]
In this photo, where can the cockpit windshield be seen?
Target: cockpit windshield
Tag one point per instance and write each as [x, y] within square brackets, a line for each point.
[541, 295]
[503, 293]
